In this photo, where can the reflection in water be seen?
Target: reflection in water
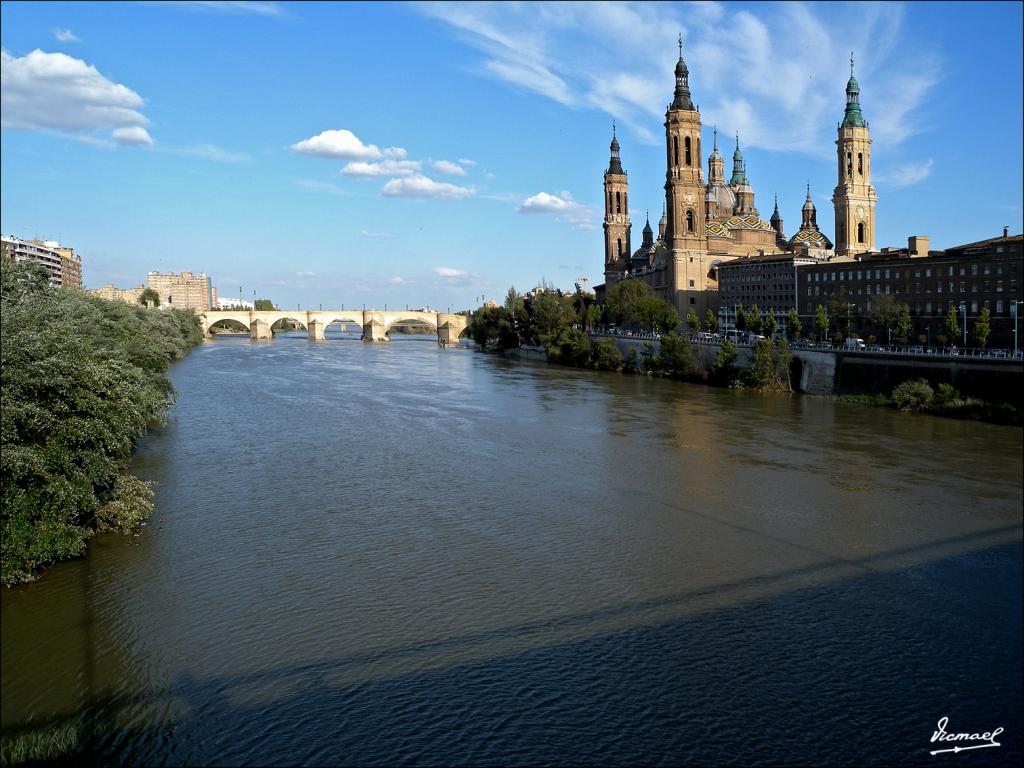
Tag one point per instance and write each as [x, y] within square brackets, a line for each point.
[383, 554]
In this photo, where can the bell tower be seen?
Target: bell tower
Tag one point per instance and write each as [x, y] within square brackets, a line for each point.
[685, 197]
[616, 215]
[854, 197]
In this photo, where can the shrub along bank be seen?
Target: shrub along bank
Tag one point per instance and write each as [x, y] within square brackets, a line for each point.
[80, 379]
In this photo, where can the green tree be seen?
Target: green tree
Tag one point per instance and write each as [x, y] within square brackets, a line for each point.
[626, 301]
[550, 314]
[263, 305]
[793, 320]
[692, 322]
[741, 319]
[821, 322]
[951, 326]
[710, 321]
[149, 296]
[770, 323]
[661, 315]
[754, 321]
[725, 371]
[981, 327]
[491, 328]
[884, 310]
[675, 358]
[605, 356]
[901, 331]
[769, 366]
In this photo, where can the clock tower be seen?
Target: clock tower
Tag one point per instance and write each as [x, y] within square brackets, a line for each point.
[854, 197]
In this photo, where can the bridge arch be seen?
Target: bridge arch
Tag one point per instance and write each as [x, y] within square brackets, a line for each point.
[419, 318]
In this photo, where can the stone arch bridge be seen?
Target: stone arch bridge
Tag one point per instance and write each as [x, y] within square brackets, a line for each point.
[374, 322]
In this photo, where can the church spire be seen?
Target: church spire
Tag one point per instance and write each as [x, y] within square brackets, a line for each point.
[809, 214]
[682, 94]
[853, 117]
[615, 164]
[648, 232]
[739, 171]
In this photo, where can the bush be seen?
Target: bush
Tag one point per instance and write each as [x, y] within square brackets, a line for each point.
[605, 356]
[916, 395]
[75, 392]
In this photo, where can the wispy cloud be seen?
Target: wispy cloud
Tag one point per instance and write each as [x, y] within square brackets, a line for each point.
[224, 6]
[467, 161]
[382, 235]
[322, 186]
[53, 91]
[421, 186]
[905, 175]
[66, 36]
[207, 152]
[395, 280]
[304, 273]
[450, 273]
[619, 58]
[564, 207]
[342, 144]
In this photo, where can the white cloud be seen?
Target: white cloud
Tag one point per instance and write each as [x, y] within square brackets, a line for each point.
[133, 135]
[906, 175]
[619, 58]
[444, 166]
[466, 161]
[564, 206]
[54, 91]
[226, 6]
[305, 274]
[451, 273]
[395, 280]
[66, 36]
[383, 235]
[207, 152]
[342, 144]
[383, 168]
[421, 186]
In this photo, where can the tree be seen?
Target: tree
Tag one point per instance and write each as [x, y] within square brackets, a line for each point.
[839, 312]
[901, 331]
[821, 322]
[724, 371]
[793, 320]
[263, 305]
[951, 325]
[691, 320]
[625, 301]
[675, 359]
[884, 310]
[769, 366]
[550, 314]
[149, 296]
[754, 322]
[710, 321]
[661, 315]
[981, 327]
[741, 319]
[605, 356]
[770, 323]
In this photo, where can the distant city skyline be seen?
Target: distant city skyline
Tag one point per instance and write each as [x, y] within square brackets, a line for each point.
[431, 154]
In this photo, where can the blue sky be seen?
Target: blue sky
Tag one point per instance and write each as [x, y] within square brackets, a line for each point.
[430, 154]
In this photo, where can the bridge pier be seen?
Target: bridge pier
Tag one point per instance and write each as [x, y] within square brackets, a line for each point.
[260, 329]
[317, 328]
[375, 331]
[448, 330]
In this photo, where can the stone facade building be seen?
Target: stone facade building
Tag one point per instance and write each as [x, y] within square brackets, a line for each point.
[707, 224]
[183, 291]
[112, 293]
[63, 264]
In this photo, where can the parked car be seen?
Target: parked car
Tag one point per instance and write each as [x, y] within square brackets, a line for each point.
[873, 348]
[997, 353]
[853, 344]
[800, 343]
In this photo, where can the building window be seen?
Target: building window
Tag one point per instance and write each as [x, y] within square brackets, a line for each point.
[686, 147]
[860, 232]
[988, 269]
[999, 269]
[849, 164]
[999, 286]
[625, 200]
[974, 307]
[691, 283]
[842, 276]
[999, 307]
[618, 203]
[951, 270]
[620, 248]
[689, 221]
[878, 274]
[860, 164]
[927, 273]
[675, 149]
[928, 308]
[974, 269]
[611, 206]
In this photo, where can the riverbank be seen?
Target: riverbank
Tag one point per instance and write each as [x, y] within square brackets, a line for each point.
[81, 379]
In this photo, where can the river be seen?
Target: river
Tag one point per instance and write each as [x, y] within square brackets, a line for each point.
[393, 554]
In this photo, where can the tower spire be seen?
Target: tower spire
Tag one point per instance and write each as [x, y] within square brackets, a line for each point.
[682, 95]
[716, 137]
[853, 117]
[615, 163]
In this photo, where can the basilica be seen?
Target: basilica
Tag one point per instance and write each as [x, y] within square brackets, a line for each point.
[708, 221]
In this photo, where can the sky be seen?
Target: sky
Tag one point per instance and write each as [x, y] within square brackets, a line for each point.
[428, 154]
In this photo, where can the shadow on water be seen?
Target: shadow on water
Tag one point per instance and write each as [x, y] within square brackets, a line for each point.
[765, 682]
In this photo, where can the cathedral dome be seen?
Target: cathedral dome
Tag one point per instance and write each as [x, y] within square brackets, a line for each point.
[723, 195]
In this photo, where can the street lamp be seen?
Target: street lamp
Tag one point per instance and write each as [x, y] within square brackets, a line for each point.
[963, 312]
[1015, 312]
